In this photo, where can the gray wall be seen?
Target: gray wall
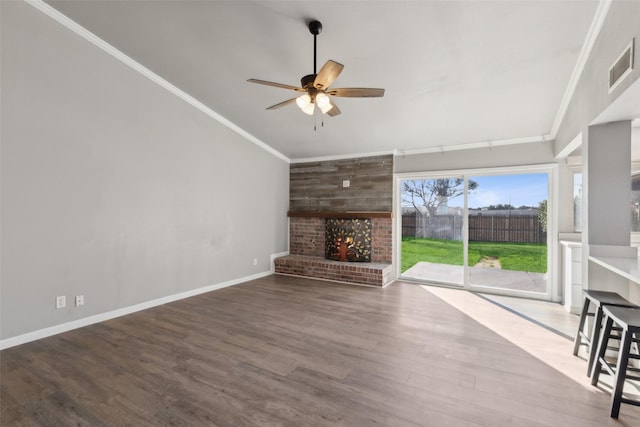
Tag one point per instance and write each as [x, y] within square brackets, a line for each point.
[116, 189]
[607, 149]
[591, 96]
[509, 155]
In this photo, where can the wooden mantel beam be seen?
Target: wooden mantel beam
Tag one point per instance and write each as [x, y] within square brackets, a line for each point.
[349, 214]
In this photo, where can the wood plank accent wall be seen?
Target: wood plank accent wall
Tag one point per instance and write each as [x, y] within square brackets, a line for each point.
[317, 186]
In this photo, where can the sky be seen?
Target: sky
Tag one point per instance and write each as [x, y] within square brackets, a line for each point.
[517, 190]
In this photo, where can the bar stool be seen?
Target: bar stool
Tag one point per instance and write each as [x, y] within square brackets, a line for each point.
[628, 320]
[590, 339]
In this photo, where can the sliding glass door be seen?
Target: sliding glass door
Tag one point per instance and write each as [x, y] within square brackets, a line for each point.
[507, 233]
[484, 231]
[432, 229]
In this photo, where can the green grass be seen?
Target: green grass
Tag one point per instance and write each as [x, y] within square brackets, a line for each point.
[512, 256]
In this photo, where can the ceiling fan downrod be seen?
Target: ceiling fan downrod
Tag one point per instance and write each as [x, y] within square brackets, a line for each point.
[315, 28]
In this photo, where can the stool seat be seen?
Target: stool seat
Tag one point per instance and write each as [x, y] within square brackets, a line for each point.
[625, 317]
[628, 321]
[607, 298]
[590, 338]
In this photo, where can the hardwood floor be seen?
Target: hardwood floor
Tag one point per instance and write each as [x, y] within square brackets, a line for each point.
[286, 351]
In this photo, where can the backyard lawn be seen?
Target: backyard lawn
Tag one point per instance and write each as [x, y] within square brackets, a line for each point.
[530, 257]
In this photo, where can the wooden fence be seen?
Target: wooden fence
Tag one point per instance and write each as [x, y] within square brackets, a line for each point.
[488, 228]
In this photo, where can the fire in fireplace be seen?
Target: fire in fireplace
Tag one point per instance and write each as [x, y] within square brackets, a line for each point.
[348, 240]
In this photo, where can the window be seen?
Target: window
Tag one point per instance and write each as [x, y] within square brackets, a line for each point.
[635, 203]
[577, 201]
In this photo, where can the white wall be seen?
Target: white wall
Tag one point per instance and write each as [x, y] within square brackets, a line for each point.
[509, 155]
[116, 189]
[591, 96]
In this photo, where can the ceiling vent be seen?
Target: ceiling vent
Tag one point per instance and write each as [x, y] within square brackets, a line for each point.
[622, 67]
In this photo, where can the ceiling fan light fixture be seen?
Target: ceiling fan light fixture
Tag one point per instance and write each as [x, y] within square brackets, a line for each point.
[326, 108]
[305, 104]
[322, 100]
[303, 101]
[309, 109]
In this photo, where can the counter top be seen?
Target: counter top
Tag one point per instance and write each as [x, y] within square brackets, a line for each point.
[628, 268]
[571, 243]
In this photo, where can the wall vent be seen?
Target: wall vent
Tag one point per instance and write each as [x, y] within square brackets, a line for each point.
[622, 67]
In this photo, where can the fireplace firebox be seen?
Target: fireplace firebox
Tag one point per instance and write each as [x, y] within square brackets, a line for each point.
[348, 240]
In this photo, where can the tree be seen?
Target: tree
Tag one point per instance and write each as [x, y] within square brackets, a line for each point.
[501, 207]
[542, 214]
[433, 193]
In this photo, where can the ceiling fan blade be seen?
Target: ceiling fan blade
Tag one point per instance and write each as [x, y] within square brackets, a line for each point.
[327, 75]
[280, 85]
[282, 104]
[334, 111]
[357, 92]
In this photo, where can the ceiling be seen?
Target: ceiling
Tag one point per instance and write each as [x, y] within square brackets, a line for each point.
[455, 72]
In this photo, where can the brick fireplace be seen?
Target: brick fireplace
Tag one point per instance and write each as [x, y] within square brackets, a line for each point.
[342, 189]
[307, 250]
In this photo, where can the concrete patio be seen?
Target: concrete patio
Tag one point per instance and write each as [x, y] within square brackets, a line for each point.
[478, 275]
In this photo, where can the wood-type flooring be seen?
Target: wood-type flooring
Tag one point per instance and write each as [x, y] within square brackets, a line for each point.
[286, 351]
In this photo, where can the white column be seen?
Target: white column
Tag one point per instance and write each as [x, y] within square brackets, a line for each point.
[609, 183]
[606, 203]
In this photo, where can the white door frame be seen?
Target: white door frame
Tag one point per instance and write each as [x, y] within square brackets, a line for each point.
[551, 169]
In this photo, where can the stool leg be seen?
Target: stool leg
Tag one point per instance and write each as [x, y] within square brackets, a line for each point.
[621, 373]
[601, 350]
[583, 317]
[595, 339]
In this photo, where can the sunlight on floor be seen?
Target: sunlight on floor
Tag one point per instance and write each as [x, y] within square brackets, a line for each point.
[546, 338]
[550, 315]
[545, 345]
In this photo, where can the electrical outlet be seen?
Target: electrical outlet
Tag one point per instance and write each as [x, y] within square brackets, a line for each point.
[61, 301]
[255, 261]
[346, 183]
[79, 300]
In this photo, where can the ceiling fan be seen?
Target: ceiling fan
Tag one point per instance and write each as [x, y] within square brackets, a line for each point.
[316, 86]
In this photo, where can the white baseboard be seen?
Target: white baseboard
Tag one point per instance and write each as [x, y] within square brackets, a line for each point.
[90, 320]
[274, 256]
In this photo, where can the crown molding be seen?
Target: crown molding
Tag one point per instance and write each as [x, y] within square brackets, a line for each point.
[474, 145]
[592, 34]
[570, 147]
[133, 64]
[342, 157]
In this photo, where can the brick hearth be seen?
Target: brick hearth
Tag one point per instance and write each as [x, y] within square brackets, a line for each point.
[307, 245]
[362, 273]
